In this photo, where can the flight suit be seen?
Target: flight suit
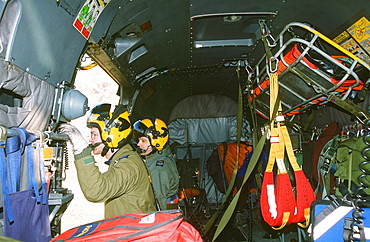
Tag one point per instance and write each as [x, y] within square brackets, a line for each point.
[165, 177]
[124, 187]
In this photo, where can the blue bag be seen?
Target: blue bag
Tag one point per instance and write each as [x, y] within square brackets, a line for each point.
[26, 213]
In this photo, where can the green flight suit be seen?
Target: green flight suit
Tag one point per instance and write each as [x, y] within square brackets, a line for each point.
[165, 177]
[124, 187]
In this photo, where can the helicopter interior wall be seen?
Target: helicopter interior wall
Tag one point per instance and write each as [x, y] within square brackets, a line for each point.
[157, 38]
[30, 99]
[44, 53]
[208, 130]
[35, 99]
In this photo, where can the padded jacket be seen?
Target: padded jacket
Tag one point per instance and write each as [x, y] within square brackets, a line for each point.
[124, 187]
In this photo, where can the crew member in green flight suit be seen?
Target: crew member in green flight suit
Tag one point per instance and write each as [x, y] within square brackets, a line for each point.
[151, 136]
[125, 187]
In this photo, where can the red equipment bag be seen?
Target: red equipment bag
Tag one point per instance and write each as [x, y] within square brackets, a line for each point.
[167, 225]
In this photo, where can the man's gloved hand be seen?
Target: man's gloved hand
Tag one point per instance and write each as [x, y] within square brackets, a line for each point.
[78, 142]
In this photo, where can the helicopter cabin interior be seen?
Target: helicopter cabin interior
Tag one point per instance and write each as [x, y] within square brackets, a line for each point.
[227, 77]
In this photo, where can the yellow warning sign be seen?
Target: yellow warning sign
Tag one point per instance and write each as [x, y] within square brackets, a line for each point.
[360, 30]
[356, 39]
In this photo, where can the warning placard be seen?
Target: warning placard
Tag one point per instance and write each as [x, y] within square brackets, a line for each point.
[360, 31]
[88, 15]
[356, 39]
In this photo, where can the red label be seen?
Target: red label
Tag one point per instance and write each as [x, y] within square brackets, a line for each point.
[85, 33]
[78, 24]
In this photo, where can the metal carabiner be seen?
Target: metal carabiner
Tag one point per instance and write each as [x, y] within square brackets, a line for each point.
[266, 33]
[272, 38]
[248, 68]
[270, 65]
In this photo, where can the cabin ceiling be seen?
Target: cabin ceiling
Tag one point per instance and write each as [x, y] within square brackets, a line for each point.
[170, 50]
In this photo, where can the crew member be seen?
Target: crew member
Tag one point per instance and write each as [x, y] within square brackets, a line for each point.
[125, 187]
[151, 136]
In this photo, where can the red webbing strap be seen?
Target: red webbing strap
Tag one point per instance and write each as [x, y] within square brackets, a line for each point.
[277, 203]
[282, 207]
[304, 192]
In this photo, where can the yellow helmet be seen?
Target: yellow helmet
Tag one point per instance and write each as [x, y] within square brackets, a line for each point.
[114, 127]
[154, 129]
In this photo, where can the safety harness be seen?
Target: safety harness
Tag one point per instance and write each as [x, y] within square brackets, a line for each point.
[279, 205]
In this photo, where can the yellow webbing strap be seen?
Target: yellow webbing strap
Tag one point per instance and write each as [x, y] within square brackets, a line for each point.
[289, 148]
[282, 131]
[307, 216]
[295, 166]
[293, 162]
[286, 216]
[281, 142]
[277, 147]
[286, 145]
